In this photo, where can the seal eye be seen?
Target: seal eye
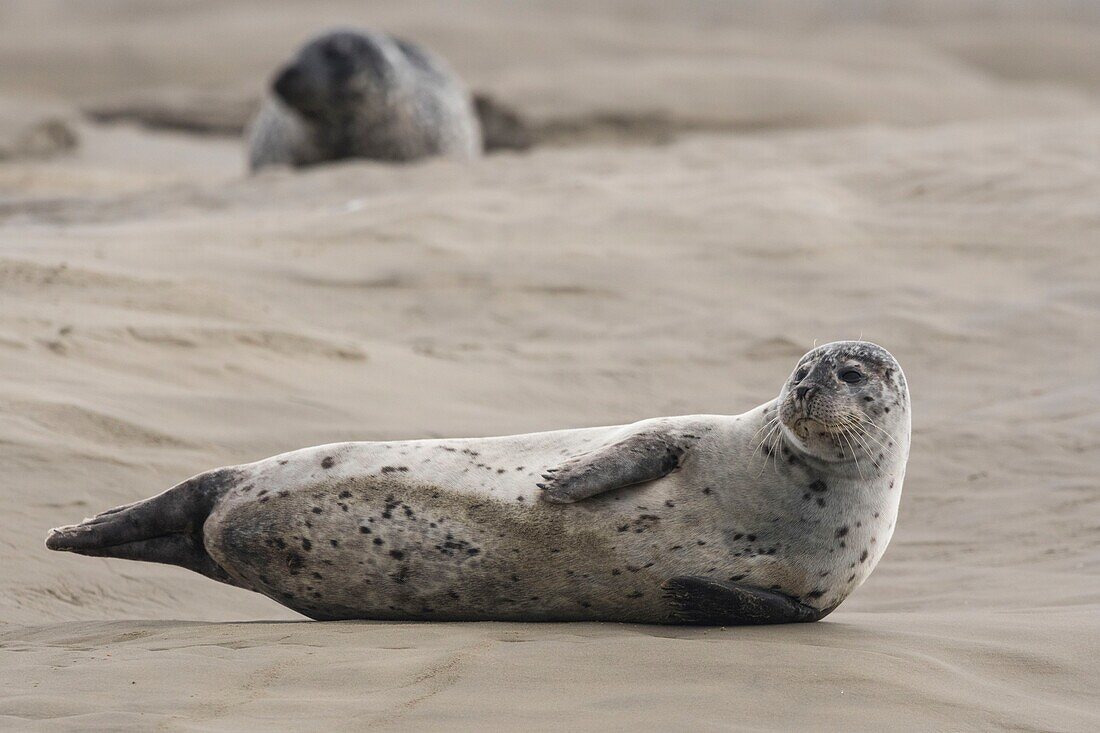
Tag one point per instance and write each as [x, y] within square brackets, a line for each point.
[800, 374]
[851, 376]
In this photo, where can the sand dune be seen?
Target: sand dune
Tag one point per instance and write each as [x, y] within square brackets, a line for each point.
[925, 179]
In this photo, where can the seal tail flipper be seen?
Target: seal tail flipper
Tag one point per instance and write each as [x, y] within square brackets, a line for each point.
[166, 528]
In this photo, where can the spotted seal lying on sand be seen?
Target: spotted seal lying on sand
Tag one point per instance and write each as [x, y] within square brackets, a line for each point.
[362, 94]
[771, 516]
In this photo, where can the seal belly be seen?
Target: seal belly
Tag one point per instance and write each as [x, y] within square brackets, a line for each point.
[384, 547]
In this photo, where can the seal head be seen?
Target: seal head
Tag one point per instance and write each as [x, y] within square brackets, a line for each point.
[343, 70]
[844, 402]
[363, 94]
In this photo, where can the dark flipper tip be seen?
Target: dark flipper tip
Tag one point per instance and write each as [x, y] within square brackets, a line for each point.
[707, 602]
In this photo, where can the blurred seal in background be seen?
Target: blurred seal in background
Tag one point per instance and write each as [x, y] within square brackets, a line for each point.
[361, 94]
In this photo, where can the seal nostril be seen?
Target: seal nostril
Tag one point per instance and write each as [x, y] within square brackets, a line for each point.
[801, 392]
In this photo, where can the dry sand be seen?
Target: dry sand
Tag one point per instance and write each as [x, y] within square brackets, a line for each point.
[925, 178]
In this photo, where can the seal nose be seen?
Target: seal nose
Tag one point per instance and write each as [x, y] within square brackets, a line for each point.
[288, 85]
[803, 392]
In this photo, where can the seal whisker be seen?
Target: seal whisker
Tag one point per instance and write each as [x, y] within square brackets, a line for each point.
[776, 438]
[769, 425]
[870, 455]
[888, 450]
[871, 423]
[861, 428]
[844, 435]
[775, 428]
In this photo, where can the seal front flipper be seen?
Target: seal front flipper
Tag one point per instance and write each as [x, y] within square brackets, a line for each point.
[715, 603]
[166, 528]
[644, 456]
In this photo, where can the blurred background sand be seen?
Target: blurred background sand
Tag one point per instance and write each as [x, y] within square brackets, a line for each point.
[716, 186]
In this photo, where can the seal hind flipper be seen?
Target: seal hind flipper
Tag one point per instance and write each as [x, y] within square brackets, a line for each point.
[184, 550]
[166, 528]
[713, 603]
[645, 456]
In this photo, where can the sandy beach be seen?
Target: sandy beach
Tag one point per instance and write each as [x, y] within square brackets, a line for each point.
[715, 187]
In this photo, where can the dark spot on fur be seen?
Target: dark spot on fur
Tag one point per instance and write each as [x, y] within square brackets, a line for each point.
[669, 503]
[751, 538]
[318, 576]
[306, 545]
[841, 532]
[863, 556]
[819, 486]
[377, 540]
[317, 510]
[616, 571]
[334, 543]
[364, 530]
[327, 462]
[294, 562]
[816, 593]
[345, 495]
[472, 551]
[706, 490]
[735, 578]
[397, 554]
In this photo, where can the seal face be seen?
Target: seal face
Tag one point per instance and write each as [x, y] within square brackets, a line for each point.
[844, 402]
[362, 94]
[772, 516]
